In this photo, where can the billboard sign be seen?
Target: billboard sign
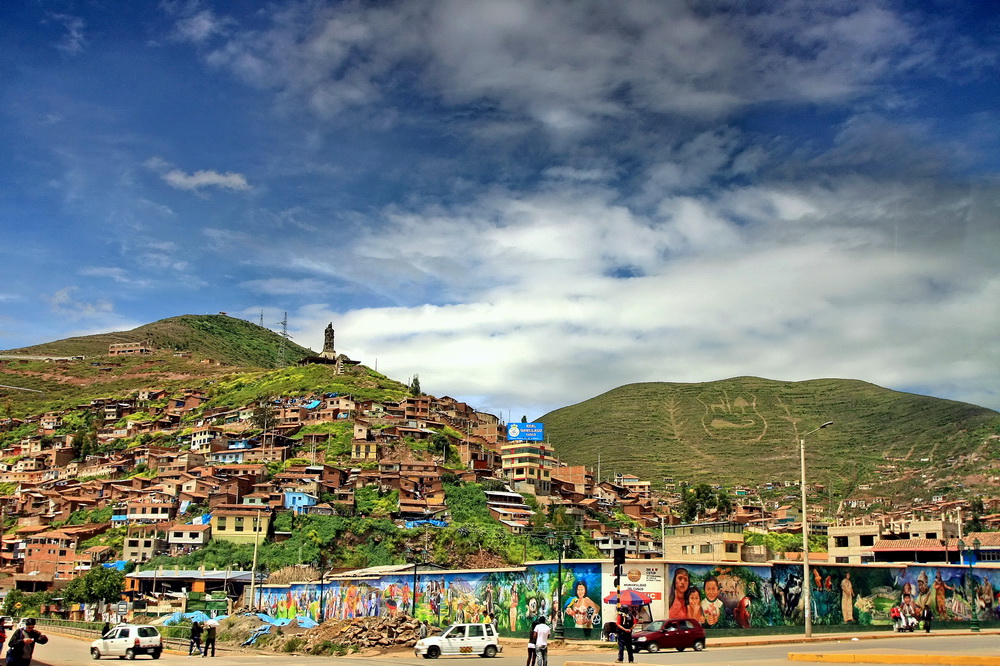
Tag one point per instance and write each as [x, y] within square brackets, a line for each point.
[526, 432]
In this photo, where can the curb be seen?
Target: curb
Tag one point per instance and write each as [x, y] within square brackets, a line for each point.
[941, 659]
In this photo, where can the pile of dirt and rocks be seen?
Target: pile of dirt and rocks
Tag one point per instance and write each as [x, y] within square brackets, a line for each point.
[338, 636]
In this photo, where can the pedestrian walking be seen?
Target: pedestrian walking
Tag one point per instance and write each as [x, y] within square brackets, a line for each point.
[531, 644]
[195, 643]
[105, 629]
[542, 632]
[624, 623]
[423, 630]
[927, 616]
[209, 640]
[22, 644]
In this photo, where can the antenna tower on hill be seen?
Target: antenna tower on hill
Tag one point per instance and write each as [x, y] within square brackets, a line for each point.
[286, 336]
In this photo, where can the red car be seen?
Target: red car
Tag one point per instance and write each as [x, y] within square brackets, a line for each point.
[676, 634]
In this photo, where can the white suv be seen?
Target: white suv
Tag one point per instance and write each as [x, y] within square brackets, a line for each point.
[127, 641]
[478, 639]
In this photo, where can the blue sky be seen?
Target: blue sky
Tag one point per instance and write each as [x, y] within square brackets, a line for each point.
[525, 203]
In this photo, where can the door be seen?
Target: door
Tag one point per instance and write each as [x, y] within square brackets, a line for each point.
[453, 642]
[117, 643]
[476, 638]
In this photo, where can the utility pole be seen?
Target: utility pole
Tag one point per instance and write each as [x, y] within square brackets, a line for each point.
[253, 567]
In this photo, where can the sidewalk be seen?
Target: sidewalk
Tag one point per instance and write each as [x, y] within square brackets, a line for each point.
[583, 647]
[571, 646]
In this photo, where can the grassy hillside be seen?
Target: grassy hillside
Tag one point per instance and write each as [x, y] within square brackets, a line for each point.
[219, 337]
[746, 430]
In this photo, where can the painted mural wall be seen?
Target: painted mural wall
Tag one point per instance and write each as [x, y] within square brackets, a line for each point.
[721, 597]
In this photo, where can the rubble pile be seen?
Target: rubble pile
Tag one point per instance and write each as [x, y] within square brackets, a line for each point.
[359, 633]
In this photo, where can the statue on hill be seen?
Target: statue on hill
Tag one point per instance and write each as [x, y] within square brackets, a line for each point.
[328, 350]
[329, 355]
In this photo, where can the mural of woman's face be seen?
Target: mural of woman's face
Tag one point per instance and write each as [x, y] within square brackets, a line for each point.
[681, 581]
[581, 590]
[712, 590]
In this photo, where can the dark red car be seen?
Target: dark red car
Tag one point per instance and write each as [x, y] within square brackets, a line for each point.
[667, 634]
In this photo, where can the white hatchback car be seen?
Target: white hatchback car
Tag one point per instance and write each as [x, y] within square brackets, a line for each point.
[128, 640]
[467, 639]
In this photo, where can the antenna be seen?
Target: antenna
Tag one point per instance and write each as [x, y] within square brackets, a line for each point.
[262, 318]
[287, 337]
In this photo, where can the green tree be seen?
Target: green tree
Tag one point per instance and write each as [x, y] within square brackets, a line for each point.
[264, 416]
[701, 498]
[100, 583]
[414, 386]
[975, 524]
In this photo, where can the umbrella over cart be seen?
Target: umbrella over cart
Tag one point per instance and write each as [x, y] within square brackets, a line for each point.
[628, 598]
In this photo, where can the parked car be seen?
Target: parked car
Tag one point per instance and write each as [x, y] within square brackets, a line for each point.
[467, 639]
[666, 634]
[6, 622]
[128, 640]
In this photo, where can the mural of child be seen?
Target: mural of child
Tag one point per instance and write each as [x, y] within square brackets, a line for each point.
[693, 602]
[711, 605]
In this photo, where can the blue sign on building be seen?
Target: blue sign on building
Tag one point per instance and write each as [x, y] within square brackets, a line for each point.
[526, 432]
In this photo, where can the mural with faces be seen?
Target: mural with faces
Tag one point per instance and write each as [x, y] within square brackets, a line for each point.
[509, 599]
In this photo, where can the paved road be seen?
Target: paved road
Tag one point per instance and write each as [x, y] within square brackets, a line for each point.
[64, 651]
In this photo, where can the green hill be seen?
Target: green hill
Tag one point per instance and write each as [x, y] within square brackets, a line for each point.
[745, 430]
[219, 337]
[217, 346]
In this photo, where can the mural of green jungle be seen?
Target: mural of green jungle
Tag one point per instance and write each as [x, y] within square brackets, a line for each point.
[510, 599]
[720, 596]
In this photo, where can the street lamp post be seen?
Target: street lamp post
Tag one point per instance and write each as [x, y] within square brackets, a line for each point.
[552, 539]
[806, 592]
[976, 543]
[418, 557]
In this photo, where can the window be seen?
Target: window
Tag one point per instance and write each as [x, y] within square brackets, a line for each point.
[222, 522]
[732, 548]
[706, 548]
[840, 542]
[475, 631]
[867, 539]
[842, 560]
[931, 535]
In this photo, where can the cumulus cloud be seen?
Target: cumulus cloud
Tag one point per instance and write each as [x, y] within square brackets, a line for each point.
[570, 66]
[804, 282]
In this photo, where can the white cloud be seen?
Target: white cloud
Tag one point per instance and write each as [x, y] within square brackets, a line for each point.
[200, 26]
[197, 180]
[74, 40]
[571, 66]
[206, 178]
[809, 283]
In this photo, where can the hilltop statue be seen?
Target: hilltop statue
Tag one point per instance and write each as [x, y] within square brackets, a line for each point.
[329, 355]
[328, 350]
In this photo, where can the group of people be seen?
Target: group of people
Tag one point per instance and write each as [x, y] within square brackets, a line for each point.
[538, 643]
[202, 639]
[687, 601]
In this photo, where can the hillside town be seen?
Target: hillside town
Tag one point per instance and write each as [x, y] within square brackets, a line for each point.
[188, 475]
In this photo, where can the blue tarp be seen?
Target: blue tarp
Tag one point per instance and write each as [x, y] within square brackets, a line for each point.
[313, 405]
[410, 524]
[120, 565]
[261, 630]
[196, 616]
